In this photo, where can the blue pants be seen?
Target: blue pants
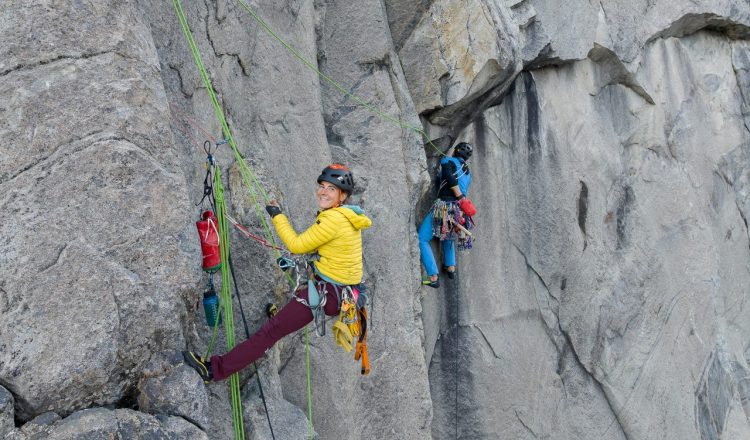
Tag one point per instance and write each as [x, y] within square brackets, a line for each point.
[428, 259]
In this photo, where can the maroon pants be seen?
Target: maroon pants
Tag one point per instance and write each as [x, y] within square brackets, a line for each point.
[291, 318]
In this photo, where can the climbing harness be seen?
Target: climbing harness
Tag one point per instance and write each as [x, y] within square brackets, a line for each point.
[301, 270]
[352, 319]
[449, 222]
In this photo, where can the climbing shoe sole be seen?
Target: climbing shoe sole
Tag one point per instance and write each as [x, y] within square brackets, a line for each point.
[198, 364]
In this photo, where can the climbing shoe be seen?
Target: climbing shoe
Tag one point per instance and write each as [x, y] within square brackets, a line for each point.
[271, 310]
[450, 273]
[198, 364]
[428, 282]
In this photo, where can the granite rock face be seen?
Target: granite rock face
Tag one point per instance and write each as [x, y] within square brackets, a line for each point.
[169, 387]
[123, 423]
[617, 248]
[6, 412]
[459, 59]
[605, 294]
[95, 230]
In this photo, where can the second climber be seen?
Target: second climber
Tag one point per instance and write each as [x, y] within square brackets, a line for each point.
[450, 217]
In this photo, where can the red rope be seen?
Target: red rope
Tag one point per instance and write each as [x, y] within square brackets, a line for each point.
[249, 234]
[192, 122]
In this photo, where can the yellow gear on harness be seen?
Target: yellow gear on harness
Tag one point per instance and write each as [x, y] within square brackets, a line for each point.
[347, 326]
[348, 316]
[352, 323]
[342, 335]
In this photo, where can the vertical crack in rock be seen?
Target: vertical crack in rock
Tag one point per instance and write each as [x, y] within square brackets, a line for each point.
[741, 68]
[731, 171]
[623, 213]
[533, 119]
[742, 215]
[206, 20]
[583, 205]
[603, 9]
[183, 89]
[568, 345]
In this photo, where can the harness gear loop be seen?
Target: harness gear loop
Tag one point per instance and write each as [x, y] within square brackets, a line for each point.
[449, 222]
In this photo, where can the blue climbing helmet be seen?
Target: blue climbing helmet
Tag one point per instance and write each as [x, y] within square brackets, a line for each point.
[338, 175]
[463, 150]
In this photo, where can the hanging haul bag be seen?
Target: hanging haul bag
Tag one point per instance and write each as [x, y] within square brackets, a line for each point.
[208, 231]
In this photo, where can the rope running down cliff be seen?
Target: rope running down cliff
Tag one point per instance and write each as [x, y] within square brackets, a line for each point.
[248, 177]
[335, 84]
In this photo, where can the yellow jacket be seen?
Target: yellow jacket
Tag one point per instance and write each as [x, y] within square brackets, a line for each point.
[337, 237]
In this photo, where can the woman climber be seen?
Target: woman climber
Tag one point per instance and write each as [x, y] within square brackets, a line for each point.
[336, 236]
[450, 217]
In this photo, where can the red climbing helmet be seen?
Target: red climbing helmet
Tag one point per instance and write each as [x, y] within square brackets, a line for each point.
[338, 175]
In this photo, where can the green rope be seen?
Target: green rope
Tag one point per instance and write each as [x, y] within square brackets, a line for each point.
[226, 296]
[333, 82]
[309, 382]
[237, 416]
[252, 183]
